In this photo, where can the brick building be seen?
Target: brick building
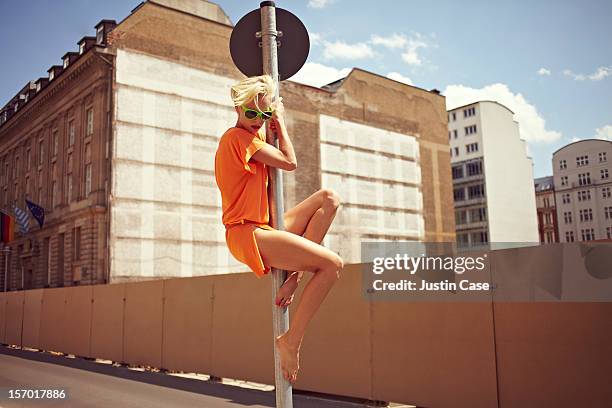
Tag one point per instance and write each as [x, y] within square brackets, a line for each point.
[146, 102]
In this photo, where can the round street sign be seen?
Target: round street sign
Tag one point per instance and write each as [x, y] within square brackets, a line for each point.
[245, 44]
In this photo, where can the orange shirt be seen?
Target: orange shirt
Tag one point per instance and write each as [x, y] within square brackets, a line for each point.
[243, 184]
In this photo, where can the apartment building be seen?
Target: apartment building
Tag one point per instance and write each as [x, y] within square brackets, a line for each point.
[492, 176]
[547, 210]
[127, 129]
[583, 190]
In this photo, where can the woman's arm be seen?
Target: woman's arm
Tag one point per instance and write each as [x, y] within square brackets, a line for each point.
[284, 156]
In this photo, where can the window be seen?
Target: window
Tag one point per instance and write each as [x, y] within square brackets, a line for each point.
[562, 164]
[567, 217]
[476, 191]
[459, 194]
[455, 133]
[51, 75]
[569, 236]
[604, 173]
[546, 202]
[451, 152]
[584, 179]
[609, 232]
[480, 237]
[602, 157]
[66, 60]
[478, 214]
[470, 130]
[454, 116]
[28, 159]
[474, 168]
[27, 186]
[462, 240]
[564, 180]
[89, 122]
[608, 212]
[588, 234]
[605, 192]
[71, 133]
[87, 179]
[549, 237]
[469, 112]
[584, 195]
[55, 143]
[54, 194]
[582, 161]
[76, 243]
[449, 135]
[547, 219]
[41, 152]
[457, 172]
[472, 147]
[100, 35]
[68, 188]
[460, 217]
[586, 215]
[82, 48]
[456, 151]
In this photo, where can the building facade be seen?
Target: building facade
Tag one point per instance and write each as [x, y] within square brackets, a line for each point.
[164, 81]
[492, 176]
[547, 210]
[583, 190]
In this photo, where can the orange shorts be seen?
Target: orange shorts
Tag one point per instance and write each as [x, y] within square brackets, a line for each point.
[240, 240]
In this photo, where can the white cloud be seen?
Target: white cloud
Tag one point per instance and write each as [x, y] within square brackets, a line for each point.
[411, 55]
[531, 124]
[342, 50]
[394, 41]
[543, 72]
[604, 132]
[598, 75]
[315, 38]
[318, 75]
[318, 3]
[399, 77]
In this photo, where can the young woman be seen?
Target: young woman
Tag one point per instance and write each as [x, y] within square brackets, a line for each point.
[242, 177]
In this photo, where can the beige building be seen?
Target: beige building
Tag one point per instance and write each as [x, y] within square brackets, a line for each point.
[583, 190]
[380, 143]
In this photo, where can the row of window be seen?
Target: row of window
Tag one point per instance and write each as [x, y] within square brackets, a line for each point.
[471, 169]
[585, 195]
[586, 214]
[585, 178]
[475, 191]
[469, 130]
[469, 148]
[587, 234]
[480, 237]
[473, 215]
[467, 112]
[70, 139]
[583, 160]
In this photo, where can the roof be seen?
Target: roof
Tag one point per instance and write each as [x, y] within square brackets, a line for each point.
[544, 184]
[580, 141]
[483, 100]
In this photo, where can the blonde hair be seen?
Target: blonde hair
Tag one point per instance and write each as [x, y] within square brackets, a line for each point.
[246, 90]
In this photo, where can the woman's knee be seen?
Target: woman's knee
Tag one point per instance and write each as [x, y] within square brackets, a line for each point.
[331, 198]
[332, 266]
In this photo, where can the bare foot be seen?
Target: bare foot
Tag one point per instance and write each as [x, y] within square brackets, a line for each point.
[285, 293]
[289, 357]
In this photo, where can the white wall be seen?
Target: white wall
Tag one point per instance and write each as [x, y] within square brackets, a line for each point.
[165, 206]
[381, 194]
[508, 172]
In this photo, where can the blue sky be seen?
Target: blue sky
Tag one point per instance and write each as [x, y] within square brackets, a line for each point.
[549, 61]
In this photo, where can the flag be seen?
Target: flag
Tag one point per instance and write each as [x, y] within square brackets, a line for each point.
[37, 211]
[23, 219]
[7, 228]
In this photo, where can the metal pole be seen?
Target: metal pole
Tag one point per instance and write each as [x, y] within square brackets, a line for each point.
[280, 316]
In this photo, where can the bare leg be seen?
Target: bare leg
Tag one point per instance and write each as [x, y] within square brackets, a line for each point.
[287, 251]
[318, 224]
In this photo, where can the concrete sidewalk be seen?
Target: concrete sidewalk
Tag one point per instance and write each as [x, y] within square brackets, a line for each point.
[95, 384]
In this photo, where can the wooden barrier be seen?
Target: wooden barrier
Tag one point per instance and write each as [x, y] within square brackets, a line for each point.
[435, 354]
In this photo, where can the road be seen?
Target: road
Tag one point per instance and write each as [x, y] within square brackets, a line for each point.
[93, 384]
